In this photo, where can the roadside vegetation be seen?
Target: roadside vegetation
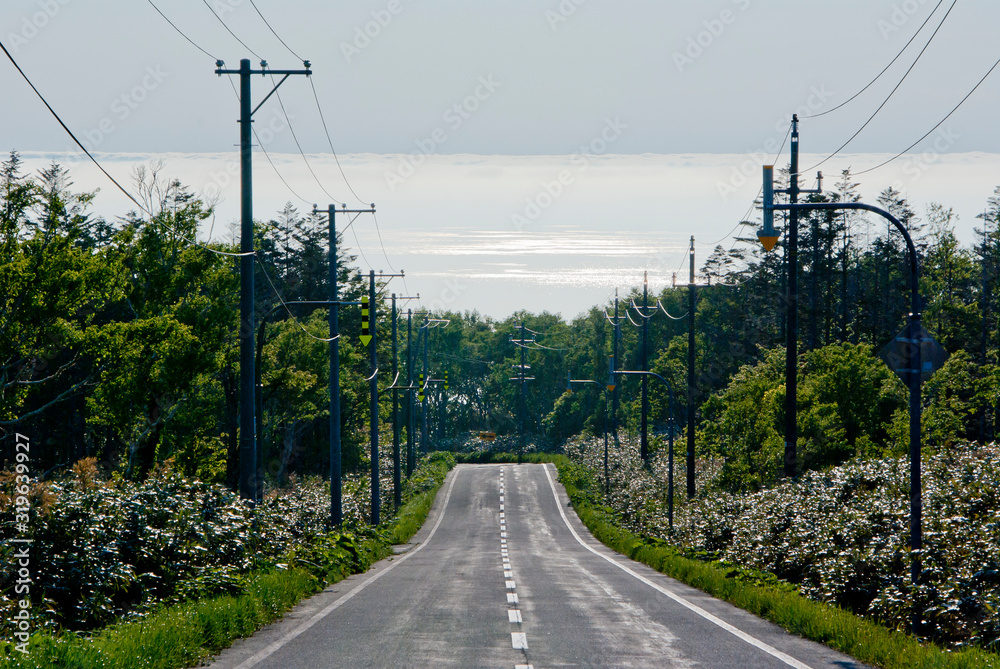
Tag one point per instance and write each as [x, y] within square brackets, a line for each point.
[119, 363]
[166, 573]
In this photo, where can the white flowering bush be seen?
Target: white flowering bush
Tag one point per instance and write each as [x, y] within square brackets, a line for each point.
[103, 551]
[840, 536]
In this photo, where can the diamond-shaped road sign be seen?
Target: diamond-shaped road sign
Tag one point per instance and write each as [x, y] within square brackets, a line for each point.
[897, 352]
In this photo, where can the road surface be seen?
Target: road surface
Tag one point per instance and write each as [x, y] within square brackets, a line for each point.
[504, 574]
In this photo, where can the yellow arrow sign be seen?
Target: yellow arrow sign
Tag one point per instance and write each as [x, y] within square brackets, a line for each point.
[366, 336]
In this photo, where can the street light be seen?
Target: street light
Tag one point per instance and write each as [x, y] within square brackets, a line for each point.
[913, 342]
[670, 443]
[606, 388]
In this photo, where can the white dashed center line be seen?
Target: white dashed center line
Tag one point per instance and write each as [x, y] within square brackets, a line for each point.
[518, 639]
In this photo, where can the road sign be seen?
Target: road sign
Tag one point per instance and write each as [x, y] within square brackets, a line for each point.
[487, 436]
[897, 352]
[366, 333]
[670, 427]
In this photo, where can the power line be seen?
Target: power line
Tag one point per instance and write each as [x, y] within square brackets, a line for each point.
[361, 250]
[230, 31]
[127, 194]
[877, 76]
[285, 305]
[70, 132]
[270, 162]
[752, 204]
[299, 146]
[384, 254]
[179, 31]
[671, 317]
[330, 141]
[936, 125]
[888, 97]
[254, 4]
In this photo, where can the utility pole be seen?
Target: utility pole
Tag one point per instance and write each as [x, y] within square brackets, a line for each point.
[397, 484]
[369, 317]
[524, 406]
[410, 453]
[336, 492]
[616, 321]
[792, 310]
[522, 343]
[373, 391]
[248, 457]
[425, 376]
[691, 389]
[905, 354]
[397, 488]
[644, 421]
[792, 304]
[615, 341]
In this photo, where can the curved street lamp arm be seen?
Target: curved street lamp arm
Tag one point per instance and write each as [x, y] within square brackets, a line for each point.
[911, 249]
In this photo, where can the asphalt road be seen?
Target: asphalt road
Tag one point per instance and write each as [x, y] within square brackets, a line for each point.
[503, 574]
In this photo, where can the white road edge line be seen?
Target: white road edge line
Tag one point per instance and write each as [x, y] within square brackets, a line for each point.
[740, 634]
[316, 617]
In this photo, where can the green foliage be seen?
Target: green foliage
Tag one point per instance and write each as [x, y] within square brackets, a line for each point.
[846, 400]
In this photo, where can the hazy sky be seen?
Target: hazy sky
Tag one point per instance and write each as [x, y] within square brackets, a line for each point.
[507, 97]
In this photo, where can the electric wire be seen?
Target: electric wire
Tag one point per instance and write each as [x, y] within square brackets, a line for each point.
[127, 194]
[384, 254]
[925, 135]
[323, 188]
[891, 93]
[358, 242]
[330, 141]
[70, 132]
[752, 204]
[347, 182]
[877, 76]
[286, 307]
[260, 145]
[295, 138]
[181, 32]
[235, 36]
[638, 311]
[283, 43]
[675, 318]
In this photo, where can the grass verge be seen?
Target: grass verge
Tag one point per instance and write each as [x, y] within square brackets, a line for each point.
[758, 593]
[185, 634]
